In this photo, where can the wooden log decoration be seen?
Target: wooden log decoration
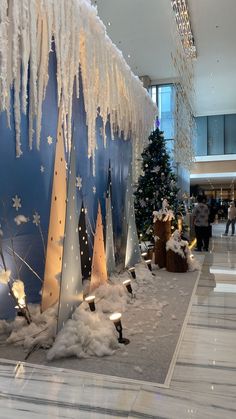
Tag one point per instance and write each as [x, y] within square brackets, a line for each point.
[175, 262]
[162, 233]
[177, 253]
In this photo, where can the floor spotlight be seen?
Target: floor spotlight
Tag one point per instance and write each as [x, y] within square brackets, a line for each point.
[116, 319]
[149, 264]
[132, 272]
[127, 283]
[91, 302]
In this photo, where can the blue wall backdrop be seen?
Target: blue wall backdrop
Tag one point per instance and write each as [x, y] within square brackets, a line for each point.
[27, 181]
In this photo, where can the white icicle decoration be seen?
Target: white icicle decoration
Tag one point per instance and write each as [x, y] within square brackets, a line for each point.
[25, 42]
[27, 28]
[3, 53]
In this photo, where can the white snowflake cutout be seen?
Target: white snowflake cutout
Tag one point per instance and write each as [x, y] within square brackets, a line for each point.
[36, 219]
[79, 182]
[16, 202]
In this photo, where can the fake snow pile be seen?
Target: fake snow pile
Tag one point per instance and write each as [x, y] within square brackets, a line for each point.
[88, 333]
[164, 214]
[84, 335]
[40, 332]
[92, 333]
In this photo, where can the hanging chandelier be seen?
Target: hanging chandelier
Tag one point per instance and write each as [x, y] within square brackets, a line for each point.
[180, 9]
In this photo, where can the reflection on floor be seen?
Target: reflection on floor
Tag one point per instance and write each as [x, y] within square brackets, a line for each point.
[204, 380]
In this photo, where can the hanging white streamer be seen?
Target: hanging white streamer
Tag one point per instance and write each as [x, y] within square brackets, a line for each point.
[27, 28]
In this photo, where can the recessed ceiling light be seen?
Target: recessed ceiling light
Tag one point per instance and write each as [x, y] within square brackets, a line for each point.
[109, 23]
[128, 55]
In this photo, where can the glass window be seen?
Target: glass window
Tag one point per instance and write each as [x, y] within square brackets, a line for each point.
[170, 150]
[215, 140]
[166, 99]
[154, 93]
[201, 141]
[230, 134]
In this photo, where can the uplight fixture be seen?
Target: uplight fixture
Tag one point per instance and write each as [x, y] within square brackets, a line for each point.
[128, 286]
[116, 319]
[91, 302]
[149, 264]
[132, 272]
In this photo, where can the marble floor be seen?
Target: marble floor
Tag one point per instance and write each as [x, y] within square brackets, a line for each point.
[203, 384]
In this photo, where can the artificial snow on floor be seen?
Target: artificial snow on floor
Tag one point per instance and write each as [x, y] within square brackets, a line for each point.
[152, 319]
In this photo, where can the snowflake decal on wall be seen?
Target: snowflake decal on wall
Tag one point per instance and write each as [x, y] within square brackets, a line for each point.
[16, 202]
[36, 219]
[79, 182]
[49, 138]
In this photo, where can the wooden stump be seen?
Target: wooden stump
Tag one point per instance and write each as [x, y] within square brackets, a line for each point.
[162, 229]
[175, 262]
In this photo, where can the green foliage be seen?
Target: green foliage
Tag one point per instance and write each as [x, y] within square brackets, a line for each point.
[156, 183]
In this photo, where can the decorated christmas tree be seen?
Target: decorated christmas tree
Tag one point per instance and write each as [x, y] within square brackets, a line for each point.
[157, 182]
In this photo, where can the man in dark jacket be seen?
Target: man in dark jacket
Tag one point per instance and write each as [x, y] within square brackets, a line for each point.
[201, 224]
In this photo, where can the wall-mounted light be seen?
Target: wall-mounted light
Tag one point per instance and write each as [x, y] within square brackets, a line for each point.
[128, 286]
[91, 302]
[116, 319]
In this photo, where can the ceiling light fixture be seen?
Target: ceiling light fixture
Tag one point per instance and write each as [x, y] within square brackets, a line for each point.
[182, 18]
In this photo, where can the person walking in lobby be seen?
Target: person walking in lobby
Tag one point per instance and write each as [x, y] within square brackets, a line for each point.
[201, 224]
[231, 219]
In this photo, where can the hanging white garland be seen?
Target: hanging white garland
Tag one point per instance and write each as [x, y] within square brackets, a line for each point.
[184, 104]
[27, 28]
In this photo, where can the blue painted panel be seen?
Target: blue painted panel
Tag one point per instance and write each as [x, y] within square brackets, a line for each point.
[23, 177]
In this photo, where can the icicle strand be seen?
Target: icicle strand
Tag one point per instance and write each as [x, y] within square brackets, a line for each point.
[27, 28]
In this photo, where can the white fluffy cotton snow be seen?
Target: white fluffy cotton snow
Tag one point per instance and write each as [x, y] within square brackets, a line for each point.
[86, 334]
[40, 332]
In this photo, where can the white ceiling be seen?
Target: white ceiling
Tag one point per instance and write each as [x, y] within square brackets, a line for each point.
[144, 31]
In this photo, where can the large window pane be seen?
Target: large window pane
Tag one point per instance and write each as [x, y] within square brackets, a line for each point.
[166, 110]
[230, 134]
[154, 94]
[170, 149]
[201, 141]
[215, 141]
